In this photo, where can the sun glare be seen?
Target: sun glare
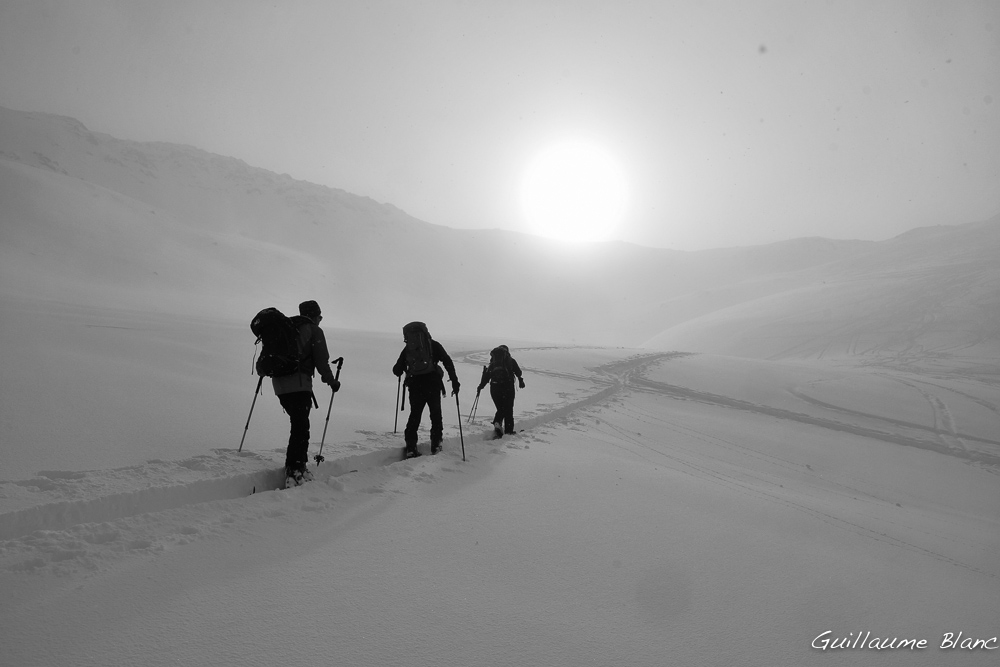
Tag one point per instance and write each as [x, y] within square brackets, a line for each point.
[573, 191]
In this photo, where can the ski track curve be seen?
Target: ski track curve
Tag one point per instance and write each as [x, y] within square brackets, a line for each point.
[86, 511]
[79, 534]
[759, 484]
[936, 444]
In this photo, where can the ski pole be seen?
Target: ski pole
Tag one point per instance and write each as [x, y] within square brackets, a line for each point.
[319, 456]
[395, 423]
[255, 392]
[461, 437]
[475, 404]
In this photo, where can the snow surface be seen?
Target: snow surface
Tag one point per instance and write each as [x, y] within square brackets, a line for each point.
[657, 508]
[827, 462]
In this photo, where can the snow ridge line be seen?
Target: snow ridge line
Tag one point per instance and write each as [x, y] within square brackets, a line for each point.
[61, 515]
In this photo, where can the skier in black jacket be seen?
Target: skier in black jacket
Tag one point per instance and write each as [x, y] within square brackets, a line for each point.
[425, 382]
[500, 375]
[295, 392]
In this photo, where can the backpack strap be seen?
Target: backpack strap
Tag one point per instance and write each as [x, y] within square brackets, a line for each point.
[304, 327]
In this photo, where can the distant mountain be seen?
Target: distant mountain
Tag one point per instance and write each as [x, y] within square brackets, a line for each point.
[928, 297]
[87, 218]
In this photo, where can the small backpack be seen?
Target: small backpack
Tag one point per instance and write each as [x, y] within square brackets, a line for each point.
[419, 355]
[282, 351]
[499, 368]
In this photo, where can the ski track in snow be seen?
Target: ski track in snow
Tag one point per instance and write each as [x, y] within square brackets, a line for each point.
[67, 522]
[797, 511]
[77, 522]
[948, 440]
[759, 486]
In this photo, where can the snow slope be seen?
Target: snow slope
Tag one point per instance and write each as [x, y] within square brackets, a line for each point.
[94, 220]
[827, 464]
[930, 295]
[680, 510]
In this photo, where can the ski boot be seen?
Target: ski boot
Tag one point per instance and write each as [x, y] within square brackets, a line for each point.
[435, 447]
[293, 477]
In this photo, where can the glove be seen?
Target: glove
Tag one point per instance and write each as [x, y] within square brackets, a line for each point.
[334, 384]
[520, 382]
[455, 386]
[397, 373]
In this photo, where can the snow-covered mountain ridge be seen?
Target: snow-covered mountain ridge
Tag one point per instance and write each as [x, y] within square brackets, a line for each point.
[92, 219]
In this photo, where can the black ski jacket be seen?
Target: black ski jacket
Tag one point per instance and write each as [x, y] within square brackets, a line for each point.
[438, 355]
[515, 372]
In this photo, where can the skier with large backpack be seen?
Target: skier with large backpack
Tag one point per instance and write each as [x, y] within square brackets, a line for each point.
[500, 376]
[425, 382]
[293, 349]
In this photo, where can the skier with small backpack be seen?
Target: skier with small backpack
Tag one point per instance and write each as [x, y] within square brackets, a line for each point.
[294, 349]
[500, 376]
[425, 382]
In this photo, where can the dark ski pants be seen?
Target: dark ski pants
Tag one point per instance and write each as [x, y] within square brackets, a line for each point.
[503, 398]
[421, 395]
[297, 404]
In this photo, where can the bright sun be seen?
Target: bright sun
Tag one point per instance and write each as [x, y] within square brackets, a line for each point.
[574, 191]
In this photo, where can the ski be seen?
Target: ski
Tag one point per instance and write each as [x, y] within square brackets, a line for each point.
[497, 434]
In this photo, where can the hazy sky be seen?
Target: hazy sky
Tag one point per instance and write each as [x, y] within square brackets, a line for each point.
[730, 123]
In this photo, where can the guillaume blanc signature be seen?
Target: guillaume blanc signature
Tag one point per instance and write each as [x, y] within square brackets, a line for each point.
[865, 641]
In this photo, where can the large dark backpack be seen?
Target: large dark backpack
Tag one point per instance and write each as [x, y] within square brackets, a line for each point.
[499, 369]
[419, 355]
[281, 352]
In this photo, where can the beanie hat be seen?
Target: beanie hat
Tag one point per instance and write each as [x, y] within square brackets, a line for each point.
[309, 309]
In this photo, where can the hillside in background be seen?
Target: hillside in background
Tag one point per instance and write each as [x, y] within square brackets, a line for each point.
[89, 219]
[928, 298]
[843, 480]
